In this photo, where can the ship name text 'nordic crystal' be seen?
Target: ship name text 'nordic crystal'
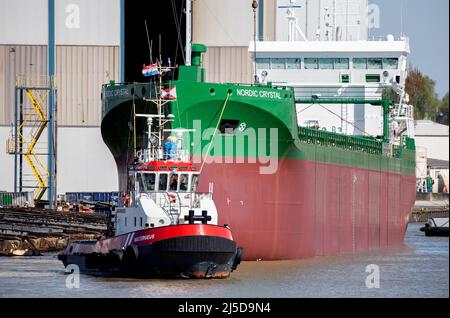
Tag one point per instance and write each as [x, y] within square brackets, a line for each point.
[258, 94]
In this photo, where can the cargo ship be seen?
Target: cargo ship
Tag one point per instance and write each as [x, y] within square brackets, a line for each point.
[291, 181]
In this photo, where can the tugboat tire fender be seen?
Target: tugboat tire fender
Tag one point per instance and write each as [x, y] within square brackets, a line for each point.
[130, 255]
[237, 258]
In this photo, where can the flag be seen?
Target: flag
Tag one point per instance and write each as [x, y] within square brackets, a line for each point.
[169, 93]
[150, 70]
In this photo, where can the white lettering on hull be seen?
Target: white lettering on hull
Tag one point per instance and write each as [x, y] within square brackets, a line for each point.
[258, 94]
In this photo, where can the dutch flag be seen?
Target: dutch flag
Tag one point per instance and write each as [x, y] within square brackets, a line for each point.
[150, 70]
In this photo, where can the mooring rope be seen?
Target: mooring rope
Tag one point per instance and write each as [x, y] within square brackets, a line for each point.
[215, 131]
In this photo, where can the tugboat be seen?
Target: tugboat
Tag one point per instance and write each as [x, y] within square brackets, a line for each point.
[165, 228]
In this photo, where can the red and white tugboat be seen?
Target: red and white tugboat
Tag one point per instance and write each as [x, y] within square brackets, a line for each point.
[167, 228]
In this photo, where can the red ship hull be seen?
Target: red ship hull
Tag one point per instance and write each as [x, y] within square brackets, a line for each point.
[310, 208]
[186, 251]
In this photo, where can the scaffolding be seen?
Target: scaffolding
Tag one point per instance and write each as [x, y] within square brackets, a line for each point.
[34, 124]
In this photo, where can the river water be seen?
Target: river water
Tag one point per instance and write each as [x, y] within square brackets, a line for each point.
[421, 269]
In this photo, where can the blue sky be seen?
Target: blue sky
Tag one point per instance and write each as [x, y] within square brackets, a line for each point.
[426, 23]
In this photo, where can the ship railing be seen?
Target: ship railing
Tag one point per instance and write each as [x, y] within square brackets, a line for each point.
[380, 38]
[370, 145]
[355, 143]
[335, 91]
[146, 155]
[189, 200]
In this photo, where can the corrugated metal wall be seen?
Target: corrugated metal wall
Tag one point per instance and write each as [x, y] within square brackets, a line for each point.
[228, 64]
[87, 53]
[81, 71]
[16, 60]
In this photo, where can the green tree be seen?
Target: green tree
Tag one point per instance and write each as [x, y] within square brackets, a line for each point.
[443, 110]
[422, 95]
[389, 93]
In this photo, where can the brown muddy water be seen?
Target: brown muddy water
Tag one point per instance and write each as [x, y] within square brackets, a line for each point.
[419, 270]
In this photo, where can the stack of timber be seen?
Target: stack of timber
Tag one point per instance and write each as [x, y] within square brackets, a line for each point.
[31, 231]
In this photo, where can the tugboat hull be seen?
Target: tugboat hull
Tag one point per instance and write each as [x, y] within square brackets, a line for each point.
[191, 256]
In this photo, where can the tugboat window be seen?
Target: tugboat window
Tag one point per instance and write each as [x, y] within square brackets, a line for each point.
[194, 184]
[184, 181]
[149, 181]
[228, 126]
[163, 182]
[173, 182]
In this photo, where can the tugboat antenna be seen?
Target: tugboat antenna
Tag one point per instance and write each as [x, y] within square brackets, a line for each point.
[160, 58]
[188, 32]
[150, 43]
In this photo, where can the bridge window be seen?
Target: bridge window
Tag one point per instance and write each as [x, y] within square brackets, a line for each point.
[263, 63]
[293, 64]
[360, 63]
[374, 64]
[311, 63]
[194, 183]
[326, 64]
[162, 182]
[390, 63]
[341, 63]
[184, 181]
[278, 64]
